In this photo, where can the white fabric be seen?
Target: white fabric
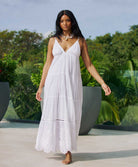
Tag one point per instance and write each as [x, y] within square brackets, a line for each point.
[62, 103]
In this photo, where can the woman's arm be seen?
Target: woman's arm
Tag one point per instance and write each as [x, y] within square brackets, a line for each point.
[45, 68]
[48, 63]
[92, 70]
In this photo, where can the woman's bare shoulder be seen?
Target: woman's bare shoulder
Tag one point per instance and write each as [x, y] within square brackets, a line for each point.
[81, 41]
[51, 41]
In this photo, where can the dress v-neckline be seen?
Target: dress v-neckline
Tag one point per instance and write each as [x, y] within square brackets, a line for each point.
[68, 48]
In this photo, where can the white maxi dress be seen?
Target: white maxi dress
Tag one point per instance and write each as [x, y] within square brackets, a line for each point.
[62, 103]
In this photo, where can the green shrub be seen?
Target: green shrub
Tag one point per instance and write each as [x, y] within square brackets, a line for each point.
[23, 94]
[7, 69]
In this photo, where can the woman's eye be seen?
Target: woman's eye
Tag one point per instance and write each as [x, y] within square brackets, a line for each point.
[65, 21]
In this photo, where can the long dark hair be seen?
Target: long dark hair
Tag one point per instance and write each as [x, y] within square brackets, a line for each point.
[75, 30]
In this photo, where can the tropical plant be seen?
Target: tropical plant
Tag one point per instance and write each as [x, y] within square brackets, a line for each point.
[23, 93]
[109, 110]
[7, 69]
[36, 77]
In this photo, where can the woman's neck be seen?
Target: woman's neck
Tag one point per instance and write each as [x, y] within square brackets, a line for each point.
[66, 33]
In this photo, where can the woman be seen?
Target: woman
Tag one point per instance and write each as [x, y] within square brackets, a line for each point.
[61, 78]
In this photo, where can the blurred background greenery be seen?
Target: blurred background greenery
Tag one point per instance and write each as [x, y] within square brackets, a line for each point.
[114, 56]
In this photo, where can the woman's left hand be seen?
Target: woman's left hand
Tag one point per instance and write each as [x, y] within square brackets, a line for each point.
[106, 89]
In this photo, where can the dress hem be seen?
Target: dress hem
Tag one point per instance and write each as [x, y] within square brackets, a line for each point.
[55, 151]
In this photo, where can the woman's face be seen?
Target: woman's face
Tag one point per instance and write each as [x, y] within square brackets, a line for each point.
[65, 23]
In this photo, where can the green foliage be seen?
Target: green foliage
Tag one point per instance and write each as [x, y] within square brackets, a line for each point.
[36, 77]
[24, 45]
[119, 74]
[131, 116]
[115, 57]
[109, 110]
[123, 85]
[27, 45]
[23, 94]
[7, 69]
[98, 59]
[6, 42]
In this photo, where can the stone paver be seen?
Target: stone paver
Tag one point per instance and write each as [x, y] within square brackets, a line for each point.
[101, 148]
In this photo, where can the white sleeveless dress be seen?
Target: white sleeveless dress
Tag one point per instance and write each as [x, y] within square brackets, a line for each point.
[62, 103]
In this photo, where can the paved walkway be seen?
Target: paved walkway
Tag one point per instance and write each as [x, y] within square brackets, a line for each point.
[101, 148]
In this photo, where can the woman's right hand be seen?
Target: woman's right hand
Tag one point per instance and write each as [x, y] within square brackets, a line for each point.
[106, 89]
[38, 94]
